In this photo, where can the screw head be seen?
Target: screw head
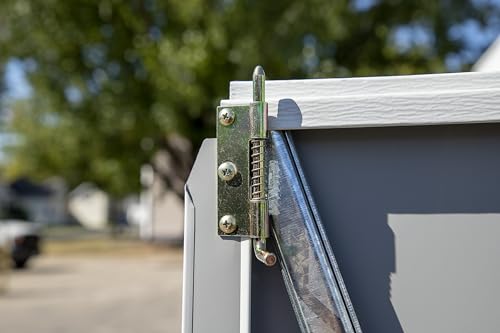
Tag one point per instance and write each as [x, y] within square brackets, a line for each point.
[227, 171]
[227, 224]
[226, 117]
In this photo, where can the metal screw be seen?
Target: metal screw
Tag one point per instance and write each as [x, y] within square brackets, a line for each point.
[227, 171]
[227, 224]
[226, 117]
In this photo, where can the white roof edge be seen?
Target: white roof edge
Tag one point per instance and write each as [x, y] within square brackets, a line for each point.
[379, 101]
[369, 85]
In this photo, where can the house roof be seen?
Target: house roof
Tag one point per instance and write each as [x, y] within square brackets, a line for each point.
[84, 189]
[25, 187]
[490, 60]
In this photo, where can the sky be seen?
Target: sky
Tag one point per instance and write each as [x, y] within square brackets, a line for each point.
[17, 84]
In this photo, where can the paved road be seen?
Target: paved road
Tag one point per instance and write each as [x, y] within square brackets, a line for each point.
[95, 294]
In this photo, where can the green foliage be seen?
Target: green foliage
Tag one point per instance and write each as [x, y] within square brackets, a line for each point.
[113, 80]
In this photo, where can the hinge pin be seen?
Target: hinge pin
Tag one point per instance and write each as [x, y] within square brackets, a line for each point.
[259, 215]
[259, 248]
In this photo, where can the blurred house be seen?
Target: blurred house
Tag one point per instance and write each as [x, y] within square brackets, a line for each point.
[90, 206]
[4, 194]
[40, 202]
[158, 211]
[57, 204]
[490, 60]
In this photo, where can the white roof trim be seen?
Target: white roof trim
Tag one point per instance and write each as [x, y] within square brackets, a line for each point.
[378, 101]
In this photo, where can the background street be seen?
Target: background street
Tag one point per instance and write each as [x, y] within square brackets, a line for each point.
[130, 291]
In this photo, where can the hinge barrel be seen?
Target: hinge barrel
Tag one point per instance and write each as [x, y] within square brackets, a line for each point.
[259, 210]
[259, 217]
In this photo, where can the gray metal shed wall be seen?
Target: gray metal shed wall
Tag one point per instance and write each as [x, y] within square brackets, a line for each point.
[358, 177]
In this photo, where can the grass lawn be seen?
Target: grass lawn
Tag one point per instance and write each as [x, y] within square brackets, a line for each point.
[101, 247]
[74, 240]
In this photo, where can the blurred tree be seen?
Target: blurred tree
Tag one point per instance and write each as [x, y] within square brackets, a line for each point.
[115, 82]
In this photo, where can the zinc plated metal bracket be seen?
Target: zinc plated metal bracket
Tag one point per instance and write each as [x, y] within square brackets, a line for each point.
[242, 203]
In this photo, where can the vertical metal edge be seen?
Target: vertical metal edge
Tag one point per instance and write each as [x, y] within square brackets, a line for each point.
[245, 285]
[338, 276]
[188, 263]
[216, 266]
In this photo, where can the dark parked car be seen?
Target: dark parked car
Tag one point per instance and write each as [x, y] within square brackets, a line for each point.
[22, 238]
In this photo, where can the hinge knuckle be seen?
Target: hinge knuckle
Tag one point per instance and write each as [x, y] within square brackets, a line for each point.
[258, 120]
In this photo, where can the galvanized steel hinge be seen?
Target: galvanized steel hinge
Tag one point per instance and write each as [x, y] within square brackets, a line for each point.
[242, 205]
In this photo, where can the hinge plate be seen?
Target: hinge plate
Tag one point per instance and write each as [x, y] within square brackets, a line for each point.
[233, 141]
[242, 207]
